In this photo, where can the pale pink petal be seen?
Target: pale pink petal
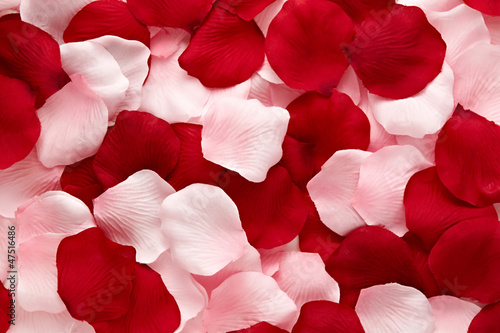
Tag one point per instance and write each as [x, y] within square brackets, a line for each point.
[382, 181]
[268, 73]
[37, 286]
[264, 18]
[7, 5]
[194, 325]
[24, 180]
[462, 28]
[129, 213]
[431, 5]
[271, 261]
[452, 314]
[53, 16]
[302, 276]
[333, 188]
[248, 262]
[45, 322]
[493, 25]
[418, 115]
[74, 122]
[241, 91]
[476, 81]
[350, 85]
[203, 229]
[245, 299]
[261, 90]
[132, 57]
[379, 137]
[53, 212]
[167, 41]
[393, 308]
[282, 95]
[426, 145]
[189, 295]
[497, 208]
[100, 70]
[244, 136]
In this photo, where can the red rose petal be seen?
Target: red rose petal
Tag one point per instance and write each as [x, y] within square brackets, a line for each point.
[486, 320]
[372, 255]
[246, 9]
[186, 14]
[466, 261]
[468, 158]
[95, 276]
[327, 317]
[431, 209]
[321, 126]
[19, 125]
[261, 327]
[397, 55]
[32, 55]
[192, 167]
[138, 141]
[272, 212]
[8, 308]
[80, 181]
[105, 17]
[225, 51]
[490, 7]
[304, 44]
[359, 9]
[153, 308]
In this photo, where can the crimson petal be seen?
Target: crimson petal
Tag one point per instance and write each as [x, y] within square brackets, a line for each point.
[192, 167]
[80, 181]
[105, 17]
[246, 9]
[398, 54]
[431, 209]
[19, 125]
[327, 317]
[8, 307]
[304, 44]
[32, 55]
[95, 276]
[225, 51]
[261, 327]
[138, 141]
[486, 320]
[490, 7]
[321, 126]
[468, 158]
[185, 14]
[359, 9]
[466, 261]
[153, 308]
[272, 212]
[372, 255]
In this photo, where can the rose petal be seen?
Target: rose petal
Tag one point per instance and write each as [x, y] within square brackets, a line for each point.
[489, 7]
[486, 320]
[261, 327]
[452, 314]
[359, 9]
[246, 9]
[41, 322]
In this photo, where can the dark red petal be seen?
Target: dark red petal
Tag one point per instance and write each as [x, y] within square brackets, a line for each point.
[7, 306]
[80, 181]
[261, 327]
[19, 124]
[95, 276]
[431, 209]
[246, 9]
[185, 14]
[420, 259]
[304, 44]
[372, 255]
[397, 55]
[321, 126]
[359, 9]
[105, 17]
[225, 51]
[272, 212]
[468, 158]
[317, 237]
[327, 317]
[490, 7]
[192, 167]
[152, 307]
[138, 141]
[32, 55]
[487, 320]
[466, 261]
